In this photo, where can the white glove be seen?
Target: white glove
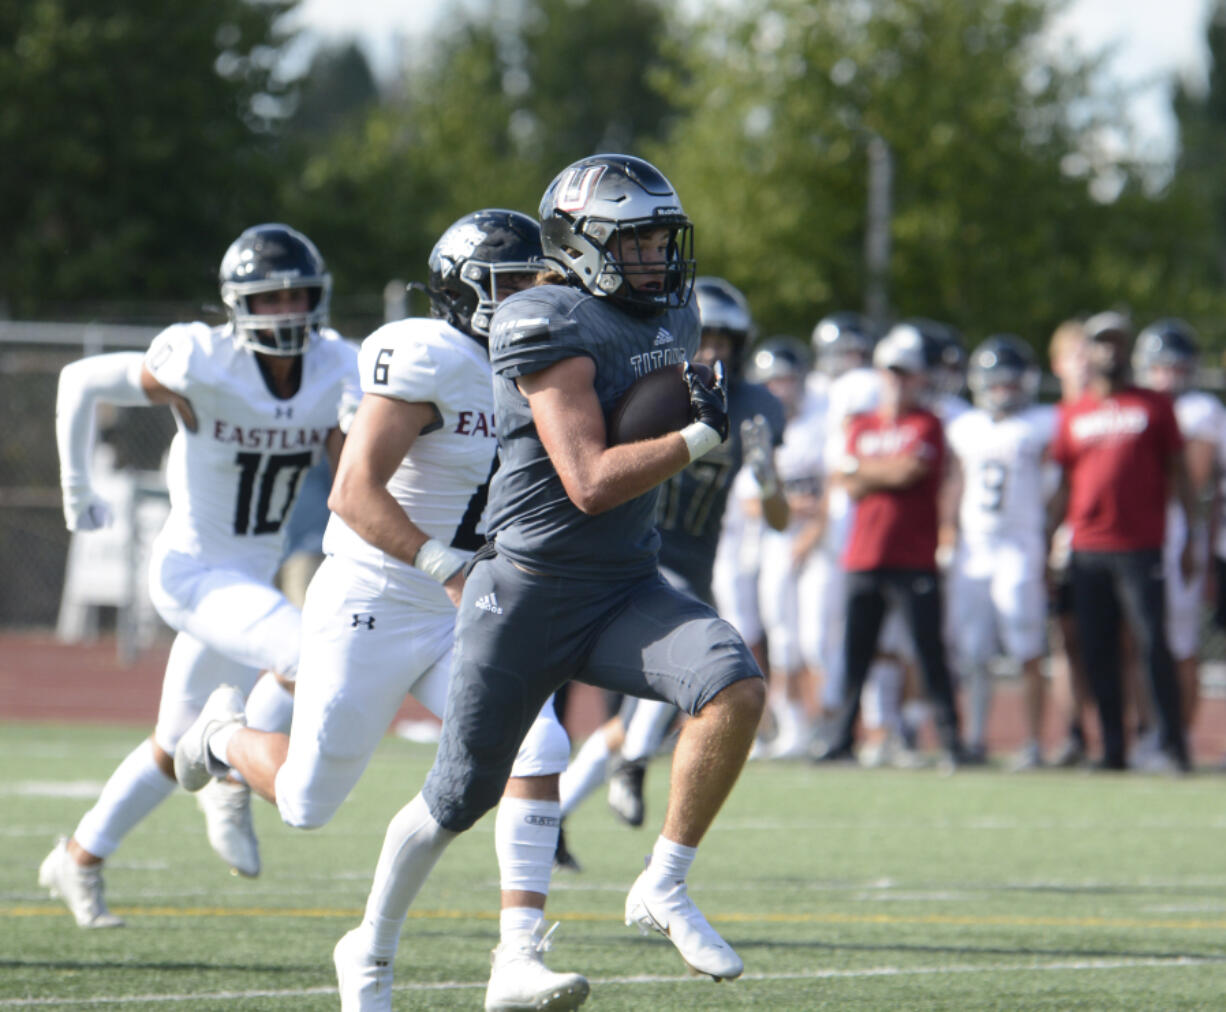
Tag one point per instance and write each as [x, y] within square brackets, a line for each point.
[85, 510]
[758, 454]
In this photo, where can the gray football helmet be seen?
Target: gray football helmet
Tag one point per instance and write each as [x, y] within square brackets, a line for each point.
[596, 200]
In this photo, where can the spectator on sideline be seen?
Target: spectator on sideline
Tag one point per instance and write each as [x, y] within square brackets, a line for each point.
[1121, 455]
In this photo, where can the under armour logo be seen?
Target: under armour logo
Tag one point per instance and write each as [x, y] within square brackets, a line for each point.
[488, 602]
[285, 412]
[366, 620]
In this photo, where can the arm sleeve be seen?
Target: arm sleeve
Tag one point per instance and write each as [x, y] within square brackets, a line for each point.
[110, 379]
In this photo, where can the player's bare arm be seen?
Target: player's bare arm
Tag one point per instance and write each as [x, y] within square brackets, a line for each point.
[570, 423]
[383, 431]
[885, 474]
[1180, 481]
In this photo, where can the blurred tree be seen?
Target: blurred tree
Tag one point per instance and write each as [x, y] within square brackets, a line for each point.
[1008, 213]
[505, 96]
[337, 88]
[135, 139]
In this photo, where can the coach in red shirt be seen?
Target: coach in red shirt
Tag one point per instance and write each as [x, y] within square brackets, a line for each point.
[893, 469]
[1121, 453]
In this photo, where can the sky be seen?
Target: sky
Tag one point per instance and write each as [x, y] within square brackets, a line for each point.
[1151, 41]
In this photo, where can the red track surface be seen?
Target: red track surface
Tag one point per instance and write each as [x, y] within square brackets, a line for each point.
[42, 679]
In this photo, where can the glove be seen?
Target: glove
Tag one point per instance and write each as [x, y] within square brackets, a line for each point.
[757, 455]
[708, 405]
[85, 510]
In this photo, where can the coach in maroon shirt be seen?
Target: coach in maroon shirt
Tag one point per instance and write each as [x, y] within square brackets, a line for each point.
[1121, 454]
[893, 470]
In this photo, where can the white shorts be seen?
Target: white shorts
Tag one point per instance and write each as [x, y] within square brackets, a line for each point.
[997, 603]
[1185, 602]
[734, 585]
[232, 625]
[778, 598]
[363, 650]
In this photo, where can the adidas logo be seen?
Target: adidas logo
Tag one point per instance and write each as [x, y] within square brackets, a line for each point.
[663, 337]
[488, 602]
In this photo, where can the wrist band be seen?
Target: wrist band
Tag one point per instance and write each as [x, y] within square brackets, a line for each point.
[438, 561]
[700, 439]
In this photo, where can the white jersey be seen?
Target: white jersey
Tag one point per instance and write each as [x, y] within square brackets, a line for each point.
[1200, 417]
[1003, 473]
[442, 482]
[856, 392]
[234, 480]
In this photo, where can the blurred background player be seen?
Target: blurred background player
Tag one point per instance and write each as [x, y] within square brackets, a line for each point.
[256, 403]
[1165, 359]
[408, 499]
[781, 364]
[997, 588]
[689, 519]
[1121, 457]
[1067, 353]
[893, 467]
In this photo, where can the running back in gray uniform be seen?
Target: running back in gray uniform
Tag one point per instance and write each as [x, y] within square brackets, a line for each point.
[529, 513]
[692, 503]
[567, 595]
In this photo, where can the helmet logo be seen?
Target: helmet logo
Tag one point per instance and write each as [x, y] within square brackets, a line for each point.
[458, 243]
[576, 186]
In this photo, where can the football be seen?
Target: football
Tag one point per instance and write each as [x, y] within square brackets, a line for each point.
[656, 404]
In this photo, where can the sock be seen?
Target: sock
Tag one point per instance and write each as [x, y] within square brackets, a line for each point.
[134, 790]
[525, 837]
[980, 705]
[646, 731]
[270, 706]
[412, 845]
[516, 922]
[585, 773]
[670, 863]
[219, 741]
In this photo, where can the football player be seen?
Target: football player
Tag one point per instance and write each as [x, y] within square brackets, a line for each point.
[379, 616]
[256, 403]
[569, 587]
[997, 581]
[781, 365]
[1165, 358]
[690, 518]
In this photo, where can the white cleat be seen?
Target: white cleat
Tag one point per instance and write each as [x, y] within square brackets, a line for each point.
[520, 980]
[195, 766]
[674, 915]
[364, 982]
[79, 886]
[227, 815]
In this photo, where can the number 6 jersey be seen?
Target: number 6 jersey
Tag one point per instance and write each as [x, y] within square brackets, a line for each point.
[234, 480]
[443, 480]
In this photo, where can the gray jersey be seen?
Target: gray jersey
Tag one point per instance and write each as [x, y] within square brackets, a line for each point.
[529, 513]
[692, 502]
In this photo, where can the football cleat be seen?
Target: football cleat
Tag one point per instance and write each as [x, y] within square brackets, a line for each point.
[674, 915]
[79, 886]
[227, 815]
[519, 978]
[364, 981]
[195, 766]
[626, 791]
[563, 859]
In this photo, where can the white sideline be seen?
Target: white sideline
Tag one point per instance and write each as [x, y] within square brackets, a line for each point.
[876, 971]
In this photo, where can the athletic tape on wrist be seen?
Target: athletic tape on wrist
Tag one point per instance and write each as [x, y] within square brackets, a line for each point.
[438, 561]
[700, 439]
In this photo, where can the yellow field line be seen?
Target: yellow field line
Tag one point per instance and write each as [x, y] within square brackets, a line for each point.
[952, 920]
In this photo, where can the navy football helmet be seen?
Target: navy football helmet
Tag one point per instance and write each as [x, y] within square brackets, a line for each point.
[271, 258]
[469, 259]
[593, 217]
[1165, 356]
[1003, 375]
[723, 309]
[778, 357]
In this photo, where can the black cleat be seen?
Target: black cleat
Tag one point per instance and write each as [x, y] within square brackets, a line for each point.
[563, 859]
[626, 791]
